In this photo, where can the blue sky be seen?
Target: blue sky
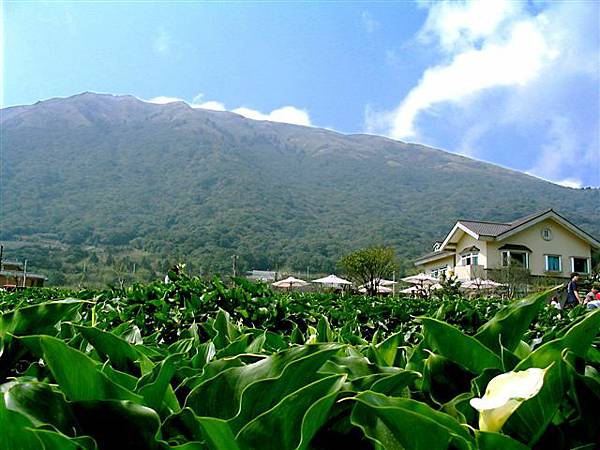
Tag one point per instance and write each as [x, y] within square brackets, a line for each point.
[511, 83]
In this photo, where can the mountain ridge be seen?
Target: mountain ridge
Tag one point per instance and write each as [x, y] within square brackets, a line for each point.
[171, 180]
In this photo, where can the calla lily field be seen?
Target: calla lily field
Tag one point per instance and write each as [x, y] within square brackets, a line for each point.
[197, 364]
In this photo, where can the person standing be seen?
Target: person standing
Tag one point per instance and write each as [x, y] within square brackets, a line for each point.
[572, 294]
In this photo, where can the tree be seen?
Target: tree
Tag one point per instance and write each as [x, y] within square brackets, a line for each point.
[369, 265]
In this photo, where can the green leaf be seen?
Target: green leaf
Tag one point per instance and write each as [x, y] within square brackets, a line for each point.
[38, 319]
[386, 352]
[324, 333]
[507, 327]
[158, 390]
[225, 331]
[118, 424]
[494, 441]
[57, 441]
[122, 355]
[15, 434]
[531, 419]
[294, 421]
[450, 342]
[262, 395]
[399, 423]
[77, 374]
[217, 433]
[221, 395]
[40, 404]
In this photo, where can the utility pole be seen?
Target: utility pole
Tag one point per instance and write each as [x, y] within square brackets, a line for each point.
[24, 272]
[1, 253]
[234, 265]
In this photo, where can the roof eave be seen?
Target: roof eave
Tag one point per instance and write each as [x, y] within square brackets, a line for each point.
[593, 242]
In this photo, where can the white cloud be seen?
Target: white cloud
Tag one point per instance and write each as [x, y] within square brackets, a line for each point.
[515, 57]
[506, 71]
[571, 183]
[162, 100]
[162, 43]
[286, 114]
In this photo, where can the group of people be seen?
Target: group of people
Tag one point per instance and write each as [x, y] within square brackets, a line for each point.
[591, 300]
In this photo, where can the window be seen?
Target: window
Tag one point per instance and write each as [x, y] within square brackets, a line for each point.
[505, 259]
[553, 263]
[438, 271]
[579, 265]
[470, 259]
[547, 234]
[515, 257]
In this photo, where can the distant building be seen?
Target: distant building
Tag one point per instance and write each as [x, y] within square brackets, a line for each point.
[261, 275]
[545, 243]
[13, 274]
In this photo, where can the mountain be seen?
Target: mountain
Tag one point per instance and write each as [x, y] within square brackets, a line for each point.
[92, 176]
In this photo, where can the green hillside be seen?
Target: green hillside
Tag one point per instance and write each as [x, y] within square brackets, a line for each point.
[93, 184]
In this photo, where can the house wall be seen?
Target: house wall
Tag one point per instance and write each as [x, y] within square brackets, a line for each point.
[468, 241]
[563, 243]
[429, 266]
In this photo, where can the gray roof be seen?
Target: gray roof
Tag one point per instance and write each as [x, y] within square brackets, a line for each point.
[18, 274]
[493, 229]
[437, 253]
[486, 228]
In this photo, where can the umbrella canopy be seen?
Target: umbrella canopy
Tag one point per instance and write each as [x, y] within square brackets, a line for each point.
[383, 282]
[478, 283]
[411, 290]
[420, 278]
[332, 280]
[380, 290]
[290, 282]
[419, 289]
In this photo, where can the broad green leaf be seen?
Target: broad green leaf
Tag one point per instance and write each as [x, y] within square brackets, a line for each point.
[15, 433]
[532, 418]
[294, 421]
[40, 404]
[118, 424]
[400, 423]
[450, 342]
[158, 390]
[38, 319]
[77, 374]
[225, 331]
[507, 327]
[444, 379]
[122, 355]
[324, 333]
[220, 396]
[495, 441]
[395, 385]
[385, 353]
[217, 433]
[57, 441]
[577, 340]
[262, 395]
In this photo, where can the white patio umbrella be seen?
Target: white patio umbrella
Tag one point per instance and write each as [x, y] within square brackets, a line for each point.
[383, 282]
[380, 290]
[411, 290]
[420, 278]
[478, 283]
[332, 280]
[419, 289]
[290, 282]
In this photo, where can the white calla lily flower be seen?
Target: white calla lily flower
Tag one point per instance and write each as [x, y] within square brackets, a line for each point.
[504, 394]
